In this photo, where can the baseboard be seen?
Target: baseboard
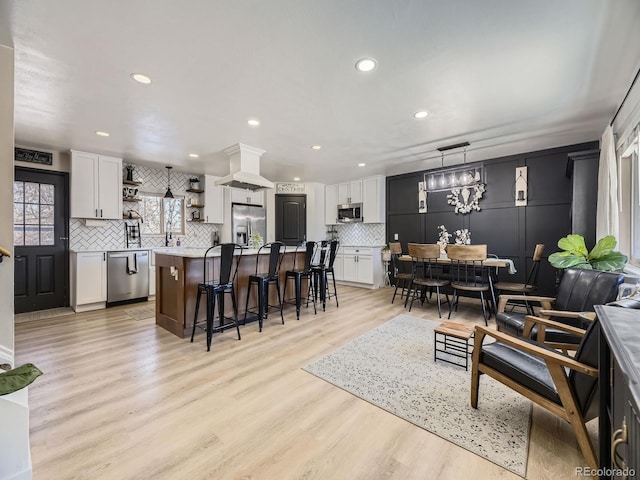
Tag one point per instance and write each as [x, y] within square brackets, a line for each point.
[6, 355]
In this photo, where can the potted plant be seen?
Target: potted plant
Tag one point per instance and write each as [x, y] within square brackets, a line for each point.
[386, 253]
[574, 254]
[194, 183]
[18, 378]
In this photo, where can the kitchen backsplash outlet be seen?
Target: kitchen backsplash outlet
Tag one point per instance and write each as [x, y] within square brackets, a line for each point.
[361, 234]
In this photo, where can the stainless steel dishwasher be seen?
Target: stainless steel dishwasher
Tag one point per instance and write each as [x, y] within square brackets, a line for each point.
[127, 276]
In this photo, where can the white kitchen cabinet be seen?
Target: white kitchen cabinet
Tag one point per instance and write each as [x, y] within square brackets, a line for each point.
[152, 273]
[88, 280]
[330, 204]
[361, 266]
[96, 186]
[373, 199]
[350, 192]
[338, 266]
[252, 197]
[213, 201]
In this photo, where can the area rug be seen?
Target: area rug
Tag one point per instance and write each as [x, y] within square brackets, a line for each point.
[141, 313]
[392, 367]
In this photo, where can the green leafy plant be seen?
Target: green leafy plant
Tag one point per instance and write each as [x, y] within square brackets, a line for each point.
[13, 380]
[576, 255]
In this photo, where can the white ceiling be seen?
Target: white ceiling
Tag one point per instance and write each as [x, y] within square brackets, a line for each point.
[507, 76]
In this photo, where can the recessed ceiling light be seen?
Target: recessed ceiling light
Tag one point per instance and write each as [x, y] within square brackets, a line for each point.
[140, 78]
[421, 114]
[253, 122]
[316, 147]
[296, 179]
[194, 155]
[365, 64]
[102, 134]
[362, 164]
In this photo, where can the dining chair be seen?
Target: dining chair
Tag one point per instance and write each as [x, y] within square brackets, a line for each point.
[217, 287]
[469, 274]
[426, 273]
[530, 285]
[564, 385]
[262, 280]
[401, 277]
[297, 275]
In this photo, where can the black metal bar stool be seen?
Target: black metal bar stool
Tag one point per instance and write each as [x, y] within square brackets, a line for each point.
[264, 279]
[297, 275]
[323, 269]
[216, 288]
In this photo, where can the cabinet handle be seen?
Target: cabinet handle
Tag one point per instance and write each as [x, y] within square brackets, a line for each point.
[104, 256]
[622, 437]
[207, 218]
[96, 213]
[100, 213]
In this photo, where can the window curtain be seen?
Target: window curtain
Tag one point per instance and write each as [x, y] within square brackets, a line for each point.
[607, 214]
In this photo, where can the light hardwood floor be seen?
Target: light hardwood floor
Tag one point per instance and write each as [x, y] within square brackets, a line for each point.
[124, 399]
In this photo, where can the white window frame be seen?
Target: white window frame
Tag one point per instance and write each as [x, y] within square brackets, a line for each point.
[176, 230]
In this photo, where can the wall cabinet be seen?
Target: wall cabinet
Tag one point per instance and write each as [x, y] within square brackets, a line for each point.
[350, 192]
[213, 211]
[88, 280]
[373, 199]
[252, 197]
[330, 204]
[96, 186]
[359, 265]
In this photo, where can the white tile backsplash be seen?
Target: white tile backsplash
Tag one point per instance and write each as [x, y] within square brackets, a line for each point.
[361, 234]
[111, 235]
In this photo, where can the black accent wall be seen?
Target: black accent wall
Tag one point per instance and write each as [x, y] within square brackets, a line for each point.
[559, 182]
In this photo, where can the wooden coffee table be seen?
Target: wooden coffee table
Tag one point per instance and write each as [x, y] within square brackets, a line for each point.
[454, 342]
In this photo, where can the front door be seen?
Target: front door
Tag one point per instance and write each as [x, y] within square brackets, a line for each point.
[291, 219]
[40, 239]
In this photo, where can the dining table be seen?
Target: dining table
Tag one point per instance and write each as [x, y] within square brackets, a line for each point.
[492, 262]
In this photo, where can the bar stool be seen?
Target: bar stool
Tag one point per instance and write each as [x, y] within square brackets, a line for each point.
[402, 279]
[230, 255]
[264, 279]
[322, 269]
[297, 275]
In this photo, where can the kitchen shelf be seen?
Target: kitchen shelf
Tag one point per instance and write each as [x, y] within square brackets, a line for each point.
[131, 182]
[126, 217]
[196, 220]
[195, 205]
[131, 199]
[195, 190]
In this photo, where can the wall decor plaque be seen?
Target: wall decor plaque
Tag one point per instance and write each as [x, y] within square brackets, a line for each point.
[33, 156]
[289, 187]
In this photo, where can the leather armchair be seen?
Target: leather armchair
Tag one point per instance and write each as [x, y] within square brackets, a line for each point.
[578, 292]
[566, 386]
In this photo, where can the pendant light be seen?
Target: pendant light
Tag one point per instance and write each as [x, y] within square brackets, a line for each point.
[168, 194]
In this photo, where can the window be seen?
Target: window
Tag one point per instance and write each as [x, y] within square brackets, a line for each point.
[161, 215]
[33, 219]
[635, 210]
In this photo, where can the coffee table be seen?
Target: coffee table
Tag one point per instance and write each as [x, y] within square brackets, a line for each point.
[454, 342]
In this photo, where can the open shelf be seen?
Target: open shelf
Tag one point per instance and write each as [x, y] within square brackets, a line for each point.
[196, 220]
[195, 205]
[135, 217]
[131, 199]
[131, 182]
[195, 190]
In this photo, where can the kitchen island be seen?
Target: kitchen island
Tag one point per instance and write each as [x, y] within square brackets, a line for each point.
[178, 272]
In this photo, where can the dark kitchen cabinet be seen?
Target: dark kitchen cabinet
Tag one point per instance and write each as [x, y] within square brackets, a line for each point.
[619, 367]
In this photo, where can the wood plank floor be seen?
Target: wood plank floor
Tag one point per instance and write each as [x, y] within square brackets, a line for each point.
[124, 399]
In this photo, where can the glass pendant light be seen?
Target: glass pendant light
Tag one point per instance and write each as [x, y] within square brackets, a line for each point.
[168, 194]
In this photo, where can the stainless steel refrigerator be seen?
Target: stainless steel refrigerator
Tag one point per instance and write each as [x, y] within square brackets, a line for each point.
[247, 220]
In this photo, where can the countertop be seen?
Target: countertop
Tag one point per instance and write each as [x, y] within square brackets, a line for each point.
[191, 252]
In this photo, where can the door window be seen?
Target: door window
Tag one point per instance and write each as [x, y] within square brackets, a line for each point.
[33, 213]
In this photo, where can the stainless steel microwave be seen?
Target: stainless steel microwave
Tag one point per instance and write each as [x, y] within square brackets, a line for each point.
[350, 213]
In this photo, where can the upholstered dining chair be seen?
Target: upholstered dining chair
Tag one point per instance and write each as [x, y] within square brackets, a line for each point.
[530, 285]
[469, 274]
[401, 277]
[426, 273]
[579, 290]
[566, 386]
[262, 280]
[215, 288]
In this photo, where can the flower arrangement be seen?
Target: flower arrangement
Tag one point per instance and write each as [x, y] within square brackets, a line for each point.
[443, 239]
[463, 237]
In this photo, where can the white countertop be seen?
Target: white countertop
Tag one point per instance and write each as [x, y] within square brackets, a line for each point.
[192, 252]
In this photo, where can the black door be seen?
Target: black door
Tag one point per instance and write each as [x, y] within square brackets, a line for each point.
[291, 219]
[40, 239]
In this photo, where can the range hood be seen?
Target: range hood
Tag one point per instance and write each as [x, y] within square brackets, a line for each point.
[245, 168]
